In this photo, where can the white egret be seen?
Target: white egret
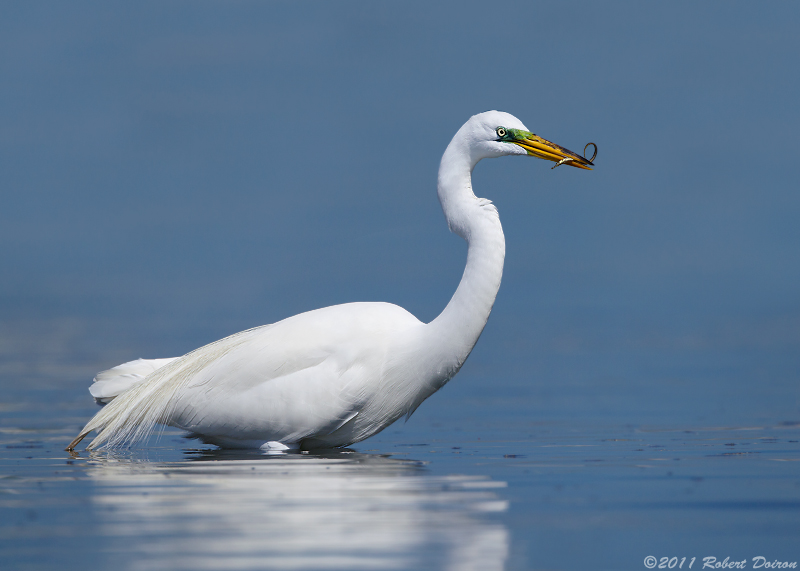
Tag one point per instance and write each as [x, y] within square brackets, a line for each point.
[337, 375]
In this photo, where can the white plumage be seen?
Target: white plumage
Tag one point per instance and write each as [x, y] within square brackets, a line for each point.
[108, 384]
[337, 375]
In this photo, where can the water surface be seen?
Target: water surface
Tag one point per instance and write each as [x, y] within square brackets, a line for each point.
[432, 494]
[173, 173]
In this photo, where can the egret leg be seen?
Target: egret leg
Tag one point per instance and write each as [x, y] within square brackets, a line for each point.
[275, 447]
[75, 442]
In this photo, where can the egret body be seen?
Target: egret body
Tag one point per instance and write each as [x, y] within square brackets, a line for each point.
[337, 375]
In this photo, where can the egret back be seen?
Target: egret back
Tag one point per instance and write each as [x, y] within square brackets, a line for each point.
[300, 377]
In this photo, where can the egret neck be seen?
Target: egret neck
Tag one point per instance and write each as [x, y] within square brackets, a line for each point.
[457, 329]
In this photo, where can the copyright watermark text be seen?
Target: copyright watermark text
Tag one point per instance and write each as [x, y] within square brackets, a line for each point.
[710, 562]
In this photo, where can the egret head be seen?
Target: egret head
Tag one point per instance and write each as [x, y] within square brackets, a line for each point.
[495, 134]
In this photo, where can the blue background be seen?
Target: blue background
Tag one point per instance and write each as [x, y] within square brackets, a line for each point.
[172, 173]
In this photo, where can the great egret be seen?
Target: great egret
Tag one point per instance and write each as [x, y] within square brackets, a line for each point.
[333, 376]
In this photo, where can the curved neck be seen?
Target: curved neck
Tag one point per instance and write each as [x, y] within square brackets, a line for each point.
[459, 326]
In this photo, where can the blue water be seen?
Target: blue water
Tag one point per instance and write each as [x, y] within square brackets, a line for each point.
[175, 173]
[477, 479]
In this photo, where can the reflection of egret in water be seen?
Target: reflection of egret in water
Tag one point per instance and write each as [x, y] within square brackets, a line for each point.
[340, 511]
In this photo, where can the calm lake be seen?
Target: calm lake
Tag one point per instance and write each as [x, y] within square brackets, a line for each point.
[493, 472]
[175, 172]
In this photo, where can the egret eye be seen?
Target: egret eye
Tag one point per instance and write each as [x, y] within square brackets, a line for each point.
[501, 132]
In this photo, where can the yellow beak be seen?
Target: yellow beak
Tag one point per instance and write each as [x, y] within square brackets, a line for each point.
[544, 149]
